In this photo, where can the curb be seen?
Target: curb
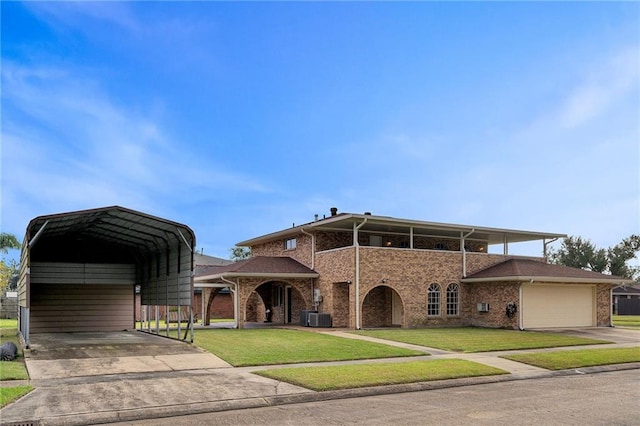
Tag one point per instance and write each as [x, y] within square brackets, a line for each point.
[270, 401]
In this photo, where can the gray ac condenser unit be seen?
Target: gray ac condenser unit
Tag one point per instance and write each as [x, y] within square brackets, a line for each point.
[320, 320]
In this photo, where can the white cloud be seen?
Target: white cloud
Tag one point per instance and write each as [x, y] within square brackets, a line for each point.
[602, 87]
[67, 145]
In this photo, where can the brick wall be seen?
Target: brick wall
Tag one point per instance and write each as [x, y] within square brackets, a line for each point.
[302, 252]
[603, 301]
[497, 295]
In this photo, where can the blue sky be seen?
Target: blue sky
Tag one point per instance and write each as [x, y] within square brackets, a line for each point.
[240, 119]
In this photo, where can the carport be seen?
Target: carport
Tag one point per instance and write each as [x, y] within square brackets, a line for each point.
[80, 271]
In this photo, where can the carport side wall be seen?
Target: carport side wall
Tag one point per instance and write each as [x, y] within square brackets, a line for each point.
[497, 295]
[167, 286]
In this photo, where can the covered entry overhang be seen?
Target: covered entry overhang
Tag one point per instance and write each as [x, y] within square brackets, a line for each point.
[80, 271]
[243, 278]
[554, 296]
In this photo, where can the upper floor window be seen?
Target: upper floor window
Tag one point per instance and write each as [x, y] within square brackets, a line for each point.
[290, 244]
[453, 297]
[433, 300]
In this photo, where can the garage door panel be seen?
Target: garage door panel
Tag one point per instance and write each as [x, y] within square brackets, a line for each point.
[72, 308]
[558, 306]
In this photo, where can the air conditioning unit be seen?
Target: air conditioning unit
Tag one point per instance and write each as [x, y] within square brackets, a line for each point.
[319, 320]
[483, 307]
[304, 317]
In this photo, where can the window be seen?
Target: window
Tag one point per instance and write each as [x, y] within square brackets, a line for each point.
[433, 300]
[290, 244]
[452, 299]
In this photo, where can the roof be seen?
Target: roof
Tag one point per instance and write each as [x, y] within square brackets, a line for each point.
[260, 266]
[528, 270]
[632, 289]
[385, 224]
[113, 226]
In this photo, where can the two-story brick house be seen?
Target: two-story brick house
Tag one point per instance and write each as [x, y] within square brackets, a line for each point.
[376, 271]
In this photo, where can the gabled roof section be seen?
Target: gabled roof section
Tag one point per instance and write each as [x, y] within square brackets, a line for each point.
[261, 266]
[384, 224]
[528, 270]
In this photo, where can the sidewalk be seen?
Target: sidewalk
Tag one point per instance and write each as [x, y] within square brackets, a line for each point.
[181, 390]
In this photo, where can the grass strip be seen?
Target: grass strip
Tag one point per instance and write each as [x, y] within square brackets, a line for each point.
[245, 347]
[8, 323]
[632, 321]
[472, 339]
[13, 370]
[562, 360]
[379, 374]
[10, 394]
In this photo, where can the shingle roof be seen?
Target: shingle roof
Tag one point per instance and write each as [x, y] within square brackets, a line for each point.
[627, 289]
[263, 265]
[526, 269]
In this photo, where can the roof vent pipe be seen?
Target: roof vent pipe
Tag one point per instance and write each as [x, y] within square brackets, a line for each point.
[334, 211]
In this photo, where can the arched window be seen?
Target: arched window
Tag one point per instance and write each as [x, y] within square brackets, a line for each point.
[453, 297]
[433, 300]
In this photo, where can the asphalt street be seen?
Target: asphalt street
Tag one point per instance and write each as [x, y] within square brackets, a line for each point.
[611, 398]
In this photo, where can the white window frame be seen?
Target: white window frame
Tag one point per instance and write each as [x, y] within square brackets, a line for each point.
[434, 299]
[453, 300]
[290, 244]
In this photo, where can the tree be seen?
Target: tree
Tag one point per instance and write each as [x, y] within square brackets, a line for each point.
[8, 270]
[8, 241]
[622, 253]
[582, 253]
[240, 253]
[8, 275]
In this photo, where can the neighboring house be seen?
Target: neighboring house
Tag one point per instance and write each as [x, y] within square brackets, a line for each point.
[626, 300]
[377, 271]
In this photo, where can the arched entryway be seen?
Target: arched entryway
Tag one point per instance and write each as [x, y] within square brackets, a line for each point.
[276, 302]
[382, 307]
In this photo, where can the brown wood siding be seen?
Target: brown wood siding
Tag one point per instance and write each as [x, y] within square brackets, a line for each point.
[59, 308]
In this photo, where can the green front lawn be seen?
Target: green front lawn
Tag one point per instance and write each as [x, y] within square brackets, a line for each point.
[630, 321]
[379, 374]
[278, 346]
[562, 360]
[12, 370]
[8, 395]
[471, 339]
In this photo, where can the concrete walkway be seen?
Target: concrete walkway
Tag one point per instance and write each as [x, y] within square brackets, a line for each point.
[129, 389]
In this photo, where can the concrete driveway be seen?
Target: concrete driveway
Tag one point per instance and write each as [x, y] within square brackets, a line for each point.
[65, 355]
[610, 334]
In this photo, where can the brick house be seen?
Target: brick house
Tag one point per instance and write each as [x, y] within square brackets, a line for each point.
[370, 271]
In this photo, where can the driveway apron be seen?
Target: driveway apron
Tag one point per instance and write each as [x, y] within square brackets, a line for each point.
[66, 355]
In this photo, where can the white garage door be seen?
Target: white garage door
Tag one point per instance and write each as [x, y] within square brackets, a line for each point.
[558, 306]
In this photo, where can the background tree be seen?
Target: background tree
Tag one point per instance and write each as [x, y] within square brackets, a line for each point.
[240, 253]
[582, 253]
[8, 269]
[619, 256]
[8, 241]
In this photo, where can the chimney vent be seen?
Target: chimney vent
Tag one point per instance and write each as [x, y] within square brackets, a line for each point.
[334, 211]
[367, 213]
